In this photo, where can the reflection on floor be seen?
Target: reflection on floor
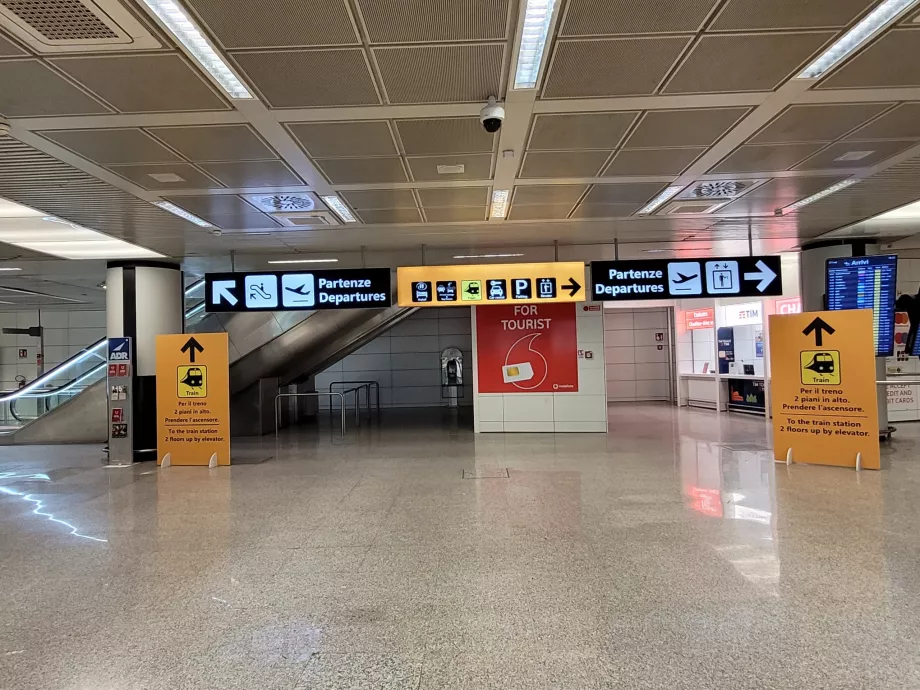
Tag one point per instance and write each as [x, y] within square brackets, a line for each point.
[671, 553]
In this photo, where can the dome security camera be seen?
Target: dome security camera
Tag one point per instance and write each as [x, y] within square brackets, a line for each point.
[491, 116]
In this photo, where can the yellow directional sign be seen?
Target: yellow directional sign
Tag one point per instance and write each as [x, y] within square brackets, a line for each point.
[825, 407]
[457, 286]
[193, 399]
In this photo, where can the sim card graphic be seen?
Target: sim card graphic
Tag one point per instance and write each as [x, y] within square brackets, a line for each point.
[512, 373]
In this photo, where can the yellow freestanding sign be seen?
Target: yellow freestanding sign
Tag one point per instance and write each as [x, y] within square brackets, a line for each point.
[193, 399]
[483, 284]
[825, 407]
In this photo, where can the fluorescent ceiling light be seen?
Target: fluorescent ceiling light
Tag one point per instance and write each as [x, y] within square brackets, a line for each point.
[306, 261]
[10, 209]
[499, 203]
[193, 288]
[33, 293]
[9, 268]
[182, 213]
[177, 21]
[659, 200]
[537, 19]
[341, 210]
[486, 256]
[61, 238]
[909, 212]
[853, 39]
[820, 195]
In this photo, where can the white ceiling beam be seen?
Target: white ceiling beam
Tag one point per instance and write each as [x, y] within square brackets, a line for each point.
[594, 105]
[129, 120]
[858, 95]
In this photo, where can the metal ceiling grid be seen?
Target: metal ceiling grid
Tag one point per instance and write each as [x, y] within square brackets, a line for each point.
[620, 17]
[113, 146]
[670, 128]
[844, 154]
[391, 215]
[435, 21]
[562, 164]
[444, 135]
[252, 174]
[362, 170]
[880, 64]
[30, 88]
[902, 122]
[646, 162]
[363, 199]
[539, 194]
[573, 131]
[745, 15]
[456, 214]
[164, 176]
[215, 143]
[345, 139]
[639, 193]
[766, 158]
[9, 49]
[437, 168]
[817, 123]
[444, 197]
[540, 211]
[213, 204]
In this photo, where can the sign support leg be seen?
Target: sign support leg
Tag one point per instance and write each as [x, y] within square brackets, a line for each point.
[166, 460]
[789, 456]
[859, 462]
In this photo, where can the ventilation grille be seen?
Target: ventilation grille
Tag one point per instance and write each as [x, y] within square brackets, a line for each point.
[50, 26]
[695, 207]
[274, 203]
[722, 189]
[309, 219]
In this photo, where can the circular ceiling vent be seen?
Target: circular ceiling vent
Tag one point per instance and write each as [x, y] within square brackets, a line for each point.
[719, 190]
[286, 202]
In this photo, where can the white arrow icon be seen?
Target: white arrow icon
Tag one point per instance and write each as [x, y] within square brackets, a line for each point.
[221, 290]
[765, 275]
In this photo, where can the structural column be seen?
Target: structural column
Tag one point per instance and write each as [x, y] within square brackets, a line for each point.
[813, 273]
[144, 299]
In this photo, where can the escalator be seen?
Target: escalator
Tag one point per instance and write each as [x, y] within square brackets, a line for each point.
[68, 403]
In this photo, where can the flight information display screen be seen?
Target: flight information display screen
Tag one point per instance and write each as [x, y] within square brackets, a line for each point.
[866, 282]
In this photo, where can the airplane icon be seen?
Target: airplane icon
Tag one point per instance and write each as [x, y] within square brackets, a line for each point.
[683, 279]
[300, 290]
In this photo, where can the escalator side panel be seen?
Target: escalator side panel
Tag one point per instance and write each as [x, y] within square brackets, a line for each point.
[82, 419]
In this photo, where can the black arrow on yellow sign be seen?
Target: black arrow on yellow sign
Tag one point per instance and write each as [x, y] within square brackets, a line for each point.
[819, 327]
[192, 346]
[572, 286]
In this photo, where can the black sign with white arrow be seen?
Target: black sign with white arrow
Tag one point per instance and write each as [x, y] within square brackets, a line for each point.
[298, 290]
[746, 276]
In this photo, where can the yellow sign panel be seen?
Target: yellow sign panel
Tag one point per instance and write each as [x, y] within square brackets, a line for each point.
[825, 406]
[457, 286]
[193, 399]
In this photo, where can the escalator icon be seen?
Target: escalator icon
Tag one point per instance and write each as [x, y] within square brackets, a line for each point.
[821, 367]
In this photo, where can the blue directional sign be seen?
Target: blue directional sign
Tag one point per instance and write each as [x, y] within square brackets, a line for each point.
[357, 288]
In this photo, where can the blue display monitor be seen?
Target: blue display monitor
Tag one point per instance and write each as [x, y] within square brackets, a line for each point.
[866, 282]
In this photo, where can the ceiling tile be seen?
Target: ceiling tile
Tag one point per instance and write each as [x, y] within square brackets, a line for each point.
[752, 62]
[454, 196]
[610, 67]
[213, 204]
[342, 139]
[310, 78]
[253, 174]
[243, 221]
[362, 170]
[745, 206]
[794, 188]
[539, 211]
[406, 21]
[10, 49]
[600, 17]
[579, 131]
[548, 194]
[765, 158]
[901, 123]
[881, 64]
[380, 198]
[192, 178]
[455, 214]
[605, 210]
[249, 25]
[444, 135]
[667, 128]
[144, 83]
[112, 146]
[476, 167]
[628, 193]
[31, 89]
[563, 163]
[817, 122]
[441, 74]
[215, 142]
[877, 152]
[633, 162]
[391, 215]
[741, 15]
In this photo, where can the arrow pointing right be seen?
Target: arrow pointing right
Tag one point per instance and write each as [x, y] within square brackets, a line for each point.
[819, 327]
[220, 289]
[764, 274]
[572, 286]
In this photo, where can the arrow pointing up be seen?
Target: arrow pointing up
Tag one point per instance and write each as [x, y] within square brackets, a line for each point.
[819, 327]
[764, 274]
[572, 286]
[192, 346]
[220, 289]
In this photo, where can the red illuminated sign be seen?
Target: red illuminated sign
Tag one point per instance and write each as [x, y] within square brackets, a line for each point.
[791, 305]
[700, 319]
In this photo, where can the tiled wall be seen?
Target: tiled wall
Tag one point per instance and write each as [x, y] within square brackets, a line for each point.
[66, 333]
[636, 368]
[584, 411]
[406, 360]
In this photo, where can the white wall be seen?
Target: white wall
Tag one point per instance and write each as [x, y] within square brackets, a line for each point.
[406, 360]
[636, 368]
[584, 411]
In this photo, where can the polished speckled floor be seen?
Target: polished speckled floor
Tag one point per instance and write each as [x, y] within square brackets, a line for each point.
[671, 553]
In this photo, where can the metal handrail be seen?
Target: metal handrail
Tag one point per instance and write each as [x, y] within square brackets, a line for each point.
[362, 384]
[306, 395]
[907, 382]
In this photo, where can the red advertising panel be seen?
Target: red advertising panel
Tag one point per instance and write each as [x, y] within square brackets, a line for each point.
[527, 348]
[790, 305]
[700, 319]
